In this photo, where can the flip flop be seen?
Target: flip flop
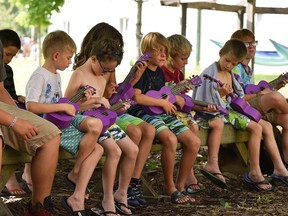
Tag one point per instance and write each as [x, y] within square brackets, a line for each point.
[283, 179]
[26, 186]
[248, 180]
[73, 185]
[213, 178]
[176, 197]
[189, 189]
[119, 205]
[13, 192]
[99, 212]
[69, 210]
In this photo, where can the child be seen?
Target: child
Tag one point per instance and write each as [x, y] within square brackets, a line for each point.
[139, 131]
[35, 136]
[43, 91]
[272, 104]
[169, 130]
[180, 49]
[105, 56]
[233, 52]
[12, 43]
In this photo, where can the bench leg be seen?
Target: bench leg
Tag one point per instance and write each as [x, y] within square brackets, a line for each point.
[242, 152]
[7, 171]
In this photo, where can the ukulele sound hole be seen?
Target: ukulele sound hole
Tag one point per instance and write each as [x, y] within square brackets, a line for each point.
[164, 96]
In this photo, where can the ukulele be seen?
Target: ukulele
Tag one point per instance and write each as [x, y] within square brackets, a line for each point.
[125, 90]
[107, 116]
[252, 89]
[61, 119]
[190, 103]
[166, 91]
[239, 104]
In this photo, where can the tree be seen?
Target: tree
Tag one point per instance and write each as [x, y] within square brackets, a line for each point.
[37, 13]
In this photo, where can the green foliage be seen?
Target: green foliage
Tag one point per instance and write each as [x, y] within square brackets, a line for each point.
[225, 204]
[37, 12]
[7, 15]
[265, 199]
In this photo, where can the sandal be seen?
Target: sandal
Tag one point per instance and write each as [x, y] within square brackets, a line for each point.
[177, 198]
[99, 212]
[13, 192]
[248, 180]
[73, 185]
[283, 179]
[119, 205]
[69, 210]
[195, 188]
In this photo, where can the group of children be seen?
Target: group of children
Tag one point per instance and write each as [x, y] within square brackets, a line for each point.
[128, 140]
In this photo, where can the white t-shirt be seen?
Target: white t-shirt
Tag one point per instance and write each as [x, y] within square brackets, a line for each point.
[44, 87]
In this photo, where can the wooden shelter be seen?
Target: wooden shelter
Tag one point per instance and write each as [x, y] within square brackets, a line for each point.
[240, 7]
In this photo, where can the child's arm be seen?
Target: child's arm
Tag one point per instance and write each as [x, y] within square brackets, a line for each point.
[40, 108]
[145, 100]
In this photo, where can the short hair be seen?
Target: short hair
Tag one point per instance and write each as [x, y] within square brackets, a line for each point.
[235, 47]
[107, 49]
[241, 33]
[10, 38]
[57, 41]
[99, 31]
[151, 41]
[179, 45]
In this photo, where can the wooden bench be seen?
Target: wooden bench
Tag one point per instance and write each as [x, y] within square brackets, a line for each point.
[12, 158]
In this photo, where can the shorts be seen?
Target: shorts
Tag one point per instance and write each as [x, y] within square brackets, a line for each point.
[237, 120]
[114, 131]
[164, 121]
[47, 131]
[203, 119]
[126, 119]
[268, 116]
[186, 118]
[72, 135]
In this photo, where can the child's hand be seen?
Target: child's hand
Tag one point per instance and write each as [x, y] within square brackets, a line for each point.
[25, 129]
[110, 90]
[265, 91]
[125, 107]
[140, 68]
[211, 108]
[88, 94]
[180, 101]
[69, 109]
[225, 89]
[167, 106]
[189, 87]
[21, 99]
[104, 102]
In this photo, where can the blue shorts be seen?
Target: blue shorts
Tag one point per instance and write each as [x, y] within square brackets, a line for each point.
[114, 131]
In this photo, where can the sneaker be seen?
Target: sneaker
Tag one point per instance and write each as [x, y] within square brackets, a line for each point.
[40, 210]
[131, 198]
[138, 193]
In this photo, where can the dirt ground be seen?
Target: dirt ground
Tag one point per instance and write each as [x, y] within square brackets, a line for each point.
[238, 199]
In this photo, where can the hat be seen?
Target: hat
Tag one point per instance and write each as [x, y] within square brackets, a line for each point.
[2, 67]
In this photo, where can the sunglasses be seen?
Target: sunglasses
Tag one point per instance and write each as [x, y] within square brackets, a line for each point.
[106, 70]
[251, 44]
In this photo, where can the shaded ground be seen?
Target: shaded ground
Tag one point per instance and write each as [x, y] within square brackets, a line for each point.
[238, 199]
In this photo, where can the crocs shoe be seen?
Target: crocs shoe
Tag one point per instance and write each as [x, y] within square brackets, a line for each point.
[138, 193]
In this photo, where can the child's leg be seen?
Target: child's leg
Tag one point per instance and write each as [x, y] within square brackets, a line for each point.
[274, 100]
[76, 200]
[109, 170]
[1, 150]
[191, 145]
[126, 167]
[254, 153]
[272, 149]
[214, 141]
[92, 128]
[169, 142]
[145, 144]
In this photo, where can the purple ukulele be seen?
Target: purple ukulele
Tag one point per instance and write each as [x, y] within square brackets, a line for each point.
[252, 89]
[239, 104]
[166, 91]
[61, 119]
[107, 116]
[125, 90]
[190, 103]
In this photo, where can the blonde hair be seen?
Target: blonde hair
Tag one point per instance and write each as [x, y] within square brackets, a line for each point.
[57, 41]
[151, 41]
[179, 45]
